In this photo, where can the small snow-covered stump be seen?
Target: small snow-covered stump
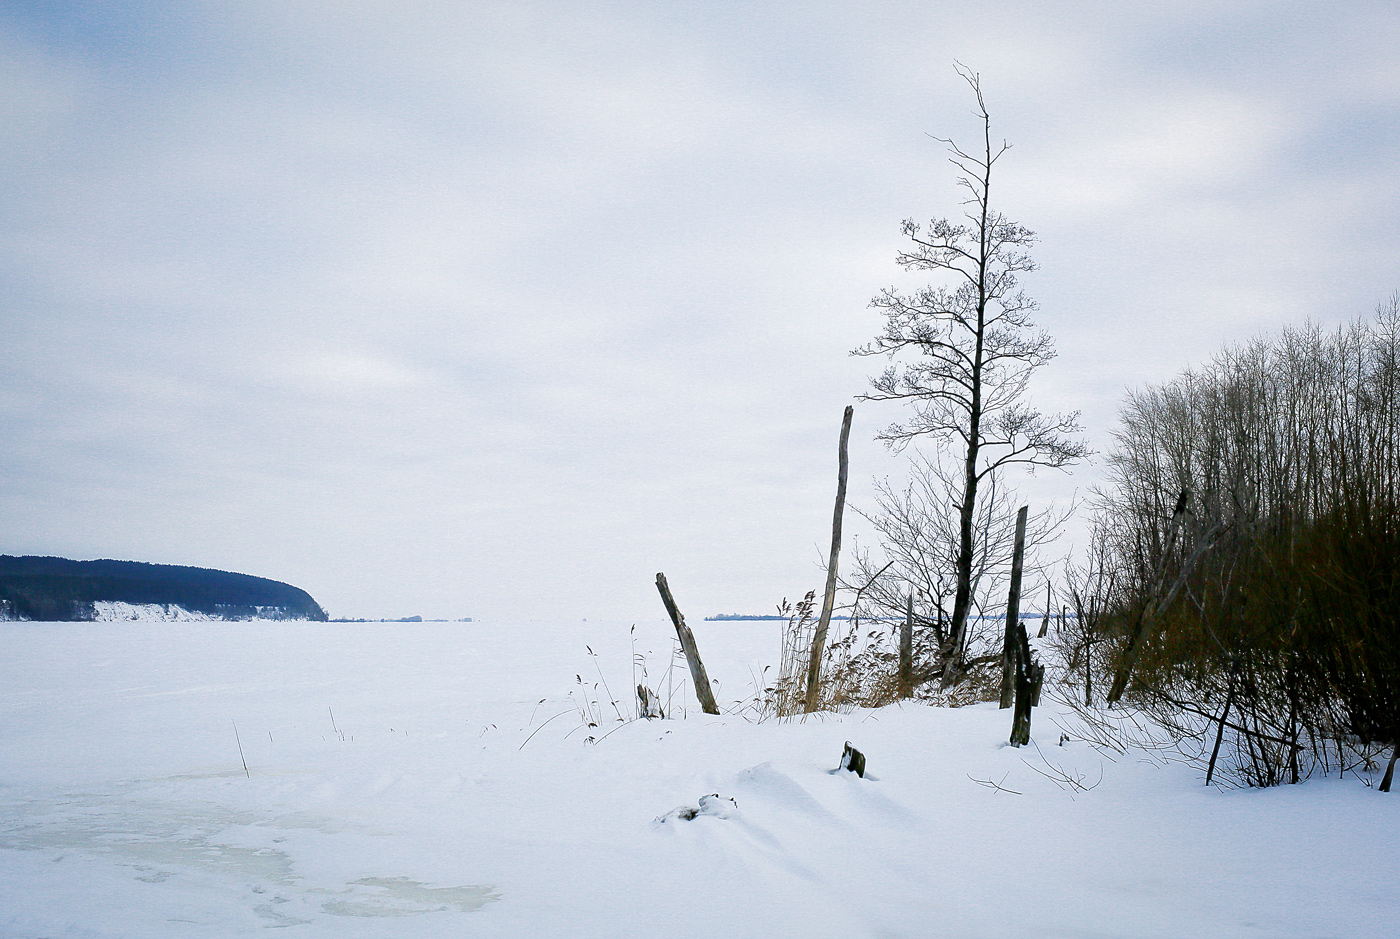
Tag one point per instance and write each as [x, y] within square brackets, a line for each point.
[648, 704]
[714, 805]
[853, 760]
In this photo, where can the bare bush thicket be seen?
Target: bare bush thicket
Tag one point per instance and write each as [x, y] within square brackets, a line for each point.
[1251, 525]
[917, 531]
[1091, 589]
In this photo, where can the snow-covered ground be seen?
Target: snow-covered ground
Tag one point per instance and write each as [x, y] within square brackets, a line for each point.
[434, 780]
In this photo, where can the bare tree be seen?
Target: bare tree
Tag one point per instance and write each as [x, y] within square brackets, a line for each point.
[962, 355]
[918, 548]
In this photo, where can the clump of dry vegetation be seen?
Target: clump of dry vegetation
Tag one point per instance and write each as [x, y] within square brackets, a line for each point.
[860, 667]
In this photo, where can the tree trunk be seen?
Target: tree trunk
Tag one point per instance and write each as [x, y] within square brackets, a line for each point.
[940, 627]
[1220, 731]
[1088, 672]
[1013, 613]
[698, 678]
[814, 664]
[1390, 769]
[1144, 619]
[962, 595]
[906, 650]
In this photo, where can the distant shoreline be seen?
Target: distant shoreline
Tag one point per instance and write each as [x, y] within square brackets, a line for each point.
[761, 617]
[400, 619]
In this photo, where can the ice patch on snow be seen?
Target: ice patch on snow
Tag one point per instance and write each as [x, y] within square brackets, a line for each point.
[245, 850]
[400, 896]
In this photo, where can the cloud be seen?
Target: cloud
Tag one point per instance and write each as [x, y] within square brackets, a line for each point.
[340, 373]
[428, 305]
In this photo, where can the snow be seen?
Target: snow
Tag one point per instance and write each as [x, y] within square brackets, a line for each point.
[106, 611]
[434, 780]
[119, 611]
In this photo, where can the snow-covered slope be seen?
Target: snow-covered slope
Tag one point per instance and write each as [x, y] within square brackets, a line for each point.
[108, 611]
[433, 780]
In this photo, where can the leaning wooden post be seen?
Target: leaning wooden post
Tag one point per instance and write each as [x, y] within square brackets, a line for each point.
[1013, 613]
[698, 678]
[814, 663]
[906, 650]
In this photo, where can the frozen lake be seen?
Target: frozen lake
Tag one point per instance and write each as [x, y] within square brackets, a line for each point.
[435, 779]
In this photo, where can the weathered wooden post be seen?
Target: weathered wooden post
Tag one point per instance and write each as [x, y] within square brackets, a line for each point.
[814, 664]
[906, 650]
[1013, 613]
[698, 678]
[1045, 617]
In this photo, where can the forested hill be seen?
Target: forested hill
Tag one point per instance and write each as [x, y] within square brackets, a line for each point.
[43, 588]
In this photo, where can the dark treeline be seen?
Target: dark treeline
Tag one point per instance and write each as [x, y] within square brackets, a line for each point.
[46, 588]
[1246, 569]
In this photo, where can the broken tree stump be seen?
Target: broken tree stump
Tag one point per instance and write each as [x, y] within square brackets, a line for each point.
[698, 678]
[1030, 675]
[648, 704]
[1013, 613]
[853, 760]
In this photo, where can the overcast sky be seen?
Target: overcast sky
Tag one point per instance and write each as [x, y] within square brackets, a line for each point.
[477, 309]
